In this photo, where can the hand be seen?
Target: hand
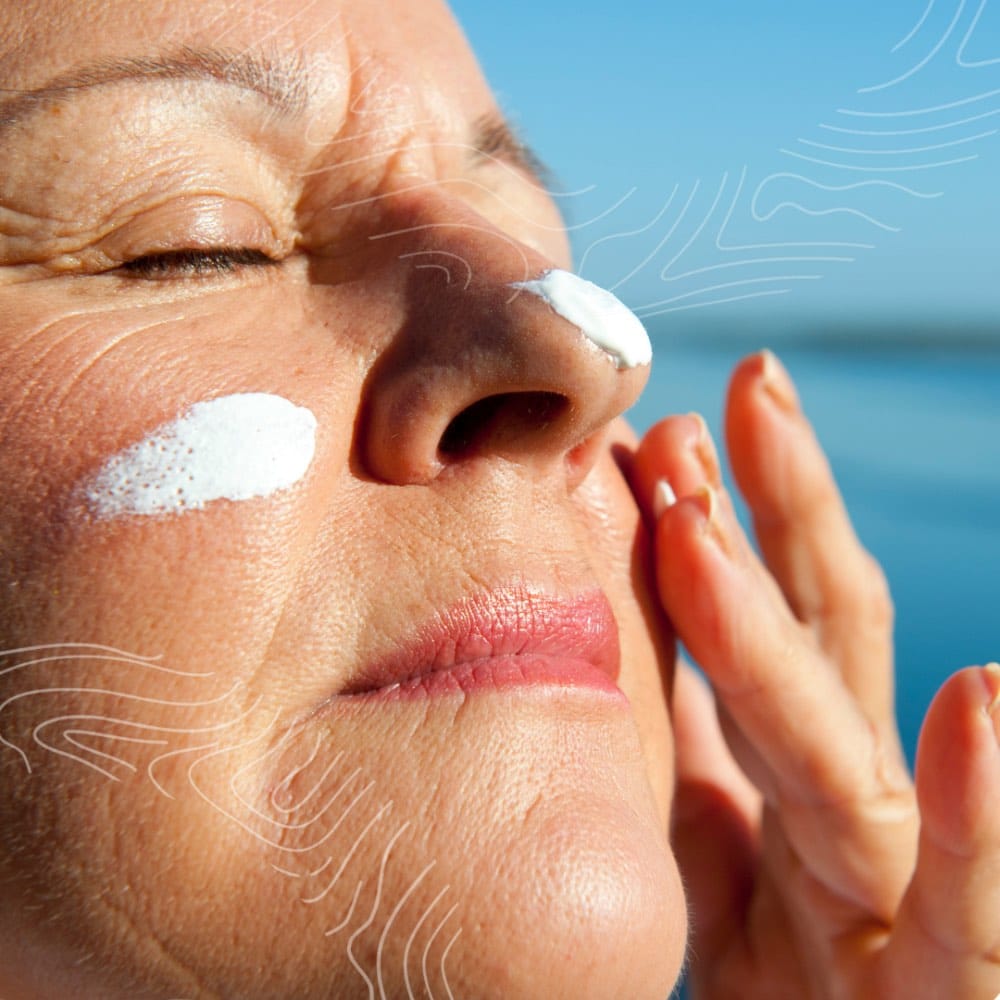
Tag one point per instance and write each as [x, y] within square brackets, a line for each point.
[815, 866]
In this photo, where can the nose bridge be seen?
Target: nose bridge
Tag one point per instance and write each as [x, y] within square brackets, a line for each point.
[490, 361]
[435, 231]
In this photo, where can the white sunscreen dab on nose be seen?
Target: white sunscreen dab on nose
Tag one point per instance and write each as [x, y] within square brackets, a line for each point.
[234, 447]
[600, 316]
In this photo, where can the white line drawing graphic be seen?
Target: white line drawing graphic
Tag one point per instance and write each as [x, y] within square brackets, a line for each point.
[960, 55]
[913, 31]
[298, 819]
[888, 145]
[923, 62]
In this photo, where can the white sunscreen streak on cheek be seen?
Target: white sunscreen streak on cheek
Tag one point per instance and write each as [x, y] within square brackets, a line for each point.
[234, 448]
[600, 316]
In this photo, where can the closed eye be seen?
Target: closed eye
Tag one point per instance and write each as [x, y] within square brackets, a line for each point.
[192, 263]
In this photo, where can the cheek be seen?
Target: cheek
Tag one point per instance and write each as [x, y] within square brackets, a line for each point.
[125, 525]
[649, 652]
[236, 447]
[154, 796]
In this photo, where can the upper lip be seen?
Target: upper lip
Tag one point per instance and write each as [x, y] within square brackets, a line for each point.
[512, 621]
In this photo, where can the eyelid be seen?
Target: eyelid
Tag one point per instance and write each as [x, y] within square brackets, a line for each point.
[192, 222]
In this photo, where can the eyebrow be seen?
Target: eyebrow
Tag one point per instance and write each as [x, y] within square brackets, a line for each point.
[280, 82]
[493, 136]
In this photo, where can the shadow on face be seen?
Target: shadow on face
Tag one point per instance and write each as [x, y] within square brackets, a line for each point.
[328, 667]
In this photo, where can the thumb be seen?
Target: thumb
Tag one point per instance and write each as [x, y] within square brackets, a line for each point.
[716, 820]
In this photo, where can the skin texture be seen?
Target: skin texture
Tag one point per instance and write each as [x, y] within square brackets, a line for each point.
[190, 805]
[214, 821]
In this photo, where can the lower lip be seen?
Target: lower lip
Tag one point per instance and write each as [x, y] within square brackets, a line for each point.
[498, 673]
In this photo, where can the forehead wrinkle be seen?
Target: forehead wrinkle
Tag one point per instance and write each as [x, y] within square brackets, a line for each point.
[281, 81]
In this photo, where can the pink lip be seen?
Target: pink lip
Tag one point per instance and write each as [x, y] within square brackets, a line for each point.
[499, 640]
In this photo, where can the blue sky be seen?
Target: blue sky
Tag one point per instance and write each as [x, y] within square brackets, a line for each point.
[723, 108]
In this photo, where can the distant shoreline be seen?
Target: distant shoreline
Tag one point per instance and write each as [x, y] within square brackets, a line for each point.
[831, 337]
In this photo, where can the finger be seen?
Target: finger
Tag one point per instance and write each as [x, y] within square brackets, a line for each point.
[678, 453]
[947, 935]
[716, 815]
[805, 535]
[677, 450]
[845, 803]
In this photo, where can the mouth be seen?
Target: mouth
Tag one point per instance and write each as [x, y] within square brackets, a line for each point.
[500, 640]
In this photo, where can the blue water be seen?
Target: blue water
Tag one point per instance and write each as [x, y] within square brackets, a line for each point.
[913, 434]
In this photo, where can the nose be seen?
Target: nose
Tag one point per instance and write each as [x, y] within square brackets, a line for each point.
[499, 356]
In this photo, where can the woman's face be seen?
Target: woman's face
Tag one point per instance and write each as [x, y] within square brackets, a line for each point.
[353, 729]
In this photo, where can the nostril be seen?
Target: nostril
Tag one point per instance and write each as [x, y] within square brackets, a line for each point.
[494, 420]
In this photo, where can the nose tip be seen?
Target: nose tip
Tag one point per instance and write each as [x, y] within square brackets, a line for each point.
[529, 371]
[597, 313]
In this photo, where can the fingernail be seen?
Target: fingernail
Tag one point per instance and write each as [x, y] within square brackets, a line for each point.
[663, 497]
[993, 670]
[777, 383]
[991, 678]
[704, 450]
[707, 500]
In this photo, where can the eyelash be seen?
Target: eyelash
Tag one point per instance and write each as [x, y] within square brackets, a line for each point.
[194, 263]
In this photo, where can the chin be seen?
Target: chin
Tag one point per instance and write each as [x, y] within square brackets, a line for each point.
[532, 860]
[588, 905]
[499, 844]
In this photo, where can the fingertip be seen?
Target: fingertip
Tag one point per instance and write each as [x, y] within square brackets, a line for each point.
[748, 418]
[764, 372]
[777, 383]
[947, 928]
[749, 370]
[666, 437]
[963, 712]
[694, 572]
[776, 458]
[990, 676]
[668, 451]
[958, 760]
[749, 381]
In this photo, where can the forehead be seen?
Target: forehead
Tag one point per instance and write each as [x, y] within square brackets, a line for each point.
[409, 53]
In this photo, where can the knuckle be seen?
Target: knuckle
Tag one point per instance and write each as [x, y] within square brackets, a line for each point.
[862, 596]
[878, 597]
